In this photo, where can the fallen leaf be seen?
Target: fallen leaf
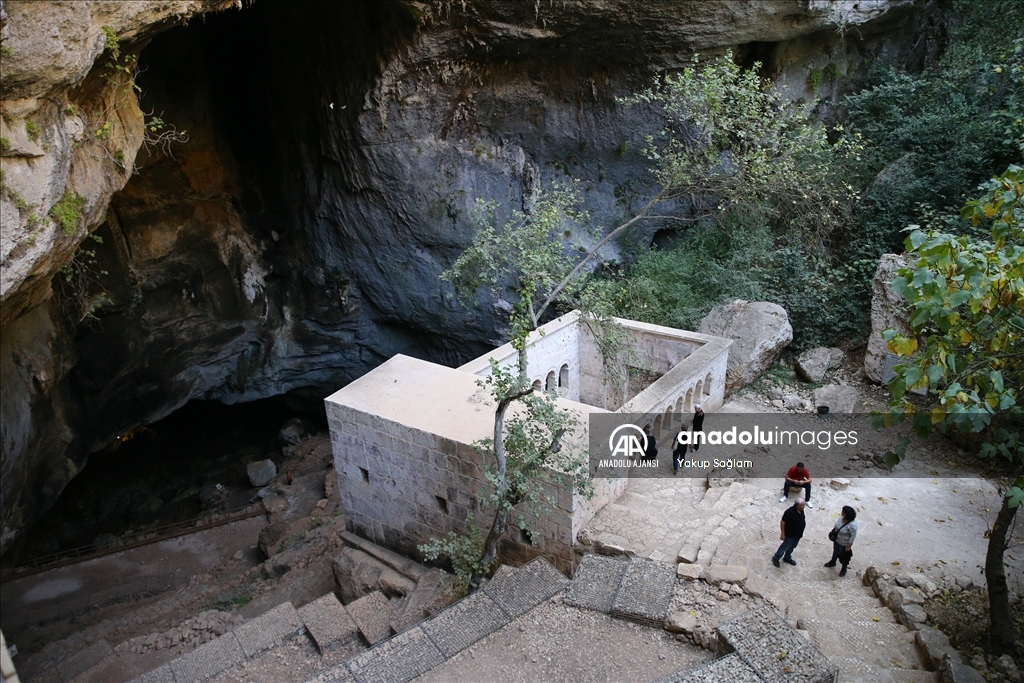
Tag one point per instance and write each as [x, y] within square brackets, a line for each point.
[880, 523]
[939, 520]
[876, 618]
[881, 498]
[895, 563]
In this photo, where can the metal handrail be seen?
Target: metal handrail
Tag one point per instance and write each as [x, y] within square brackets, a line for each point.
[161, 533]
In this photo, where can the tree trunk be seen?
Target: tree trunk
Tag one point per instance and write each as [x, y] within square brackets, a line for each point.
[498, 528]
[1000, 632]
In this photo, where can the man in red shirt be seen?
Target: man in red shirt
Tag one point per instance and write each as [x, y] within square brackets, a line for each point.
[799, 477]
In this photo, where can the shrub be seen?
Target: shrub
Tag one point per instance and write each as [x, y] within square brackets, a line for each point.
[68, 212]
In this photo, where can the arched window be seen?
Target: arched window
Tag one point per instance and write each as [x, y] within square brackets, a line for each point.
[698, 391]
[537, 386]
[688, 404]
[707, 385]
[549, 383]
[563, 376]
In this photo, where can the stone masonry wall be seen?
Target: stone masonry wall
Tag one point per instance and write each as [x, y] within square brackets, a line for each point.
[392, 479]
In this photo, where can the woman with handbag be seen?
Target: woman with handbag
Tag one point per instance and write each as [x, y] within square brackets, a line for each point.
[842, 537]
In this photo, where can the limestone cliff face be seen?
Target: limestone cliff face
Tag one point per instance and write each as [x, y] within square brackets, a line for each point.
[335, 153]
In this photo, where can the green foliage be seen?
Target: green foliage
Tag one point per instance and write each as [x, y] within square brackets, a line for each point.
[678, 287]
[743, 258]
[534, 442]
[6, 51]
[832, 71]
[68, 212]
[525, 261]
[967, 301]
[814, 79]
[930, 138]
[104, 131]
[110, 42]
[731, 140]
[5, 144]
[462, 550]
[32, 130]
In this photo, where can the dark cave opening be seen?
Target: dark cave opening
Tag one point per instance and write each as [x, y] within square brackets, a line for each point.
[161, 474]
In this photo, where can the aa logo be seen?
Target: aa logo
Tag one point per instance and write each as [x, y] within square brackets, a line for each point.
[627, 441]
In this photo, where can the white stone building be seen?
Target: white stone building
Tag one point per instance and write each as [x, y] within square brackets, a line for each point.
[402, 434]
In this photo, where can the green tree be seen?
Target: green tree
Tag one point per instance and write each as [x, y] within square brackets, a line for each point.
[967, 298]
[731, 140]
[527, 264]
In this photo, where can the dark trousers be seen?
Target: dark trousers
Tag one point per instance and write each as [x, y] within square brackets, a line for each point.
[837, 549]
[787, 485]
[785, 550]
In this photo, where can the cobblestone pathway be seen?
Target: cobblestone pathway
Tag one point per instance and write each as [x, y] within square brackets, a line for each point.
[738, 524]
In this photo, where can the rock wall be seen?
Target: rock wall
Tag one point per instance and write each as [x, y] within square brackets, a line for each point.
[335, 154]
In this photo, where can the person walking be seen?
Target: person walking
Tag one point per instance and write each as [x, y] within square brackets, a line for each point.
[798, 476]
[651, 445]
[696, 427]
[842, 536]
[678, 453]
[791, 530]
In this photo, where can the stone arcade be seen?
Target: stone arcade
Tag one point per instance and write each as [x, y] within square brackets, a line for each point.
[402, 434]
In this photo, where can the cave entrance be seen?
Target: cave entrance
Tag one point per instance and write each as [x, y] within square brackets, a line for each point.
[166, 473]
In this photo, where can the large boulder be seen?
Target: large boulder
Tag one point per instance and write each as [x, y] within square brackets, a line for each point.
[261, 472]
[813, 365]
[760, 331]
[838, 398]
[358, 574]
[889, 310]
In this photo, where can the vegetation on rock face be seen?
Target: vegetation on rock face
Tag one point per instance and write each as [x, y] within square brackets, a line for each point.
[68, 212]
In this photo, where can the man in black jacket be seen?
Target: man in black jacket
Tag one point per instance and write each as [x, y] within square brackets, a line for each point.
[697, 426]
[791, 530]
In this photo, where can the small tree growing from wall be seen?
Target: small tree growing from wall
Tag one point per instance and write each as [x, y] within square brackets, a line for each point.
[526, 261]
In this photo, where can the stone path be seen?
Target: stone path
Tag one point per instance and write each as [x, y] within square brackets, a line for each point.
[738, 524]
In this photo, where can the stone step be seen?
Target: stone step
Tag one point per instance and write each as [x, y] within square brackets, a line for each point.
[464, 623]
[645, 593]
[328, 623]
[399, 563]
[728, 669]
[509, 593]
[413, 608]
[596, 583]
[773, 648]
[72, 667]
[525, 588]
[372, 615]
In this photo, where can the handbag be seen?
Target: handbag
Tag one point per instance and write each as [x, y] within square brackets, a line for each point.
[834, 534]
[845, 557]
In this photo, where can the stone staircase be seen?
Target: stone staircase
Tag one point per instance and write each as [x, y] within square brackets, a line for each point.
[511, 593]
[719, 515]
